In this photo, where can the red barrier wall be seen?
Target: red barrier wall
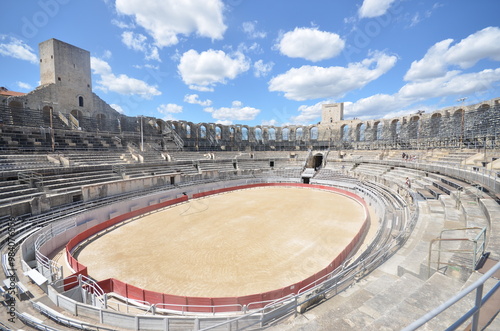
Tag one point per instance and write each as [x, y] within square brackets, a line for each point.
[196, 304]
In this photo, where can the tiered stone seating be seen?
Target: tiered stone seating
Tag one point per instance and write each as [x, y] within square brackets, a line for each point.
[74, 181]
[17, 162]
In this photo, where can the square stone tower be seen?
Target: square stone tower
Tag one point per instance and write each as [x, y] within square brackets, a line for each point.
[68, 67]
[331, 113]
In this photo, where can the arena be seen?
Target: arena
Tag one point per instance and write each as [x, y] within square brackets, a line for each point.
[419, 228]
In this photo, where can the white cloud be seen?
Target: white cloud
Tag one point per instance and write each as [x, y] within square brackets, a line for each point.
[16, 48]
[480, 45]
[310, 44]
[311, 82]
[118, 108]
[234, 113]
[201, 71]
[135, 41]
[121, 84]
[453, 83]
[251, 32]
[374, 8]
[122, 25]
[194, 99]
[166, 20]
[138, 42]
[261, 69]
[24, 86]
[170, 108]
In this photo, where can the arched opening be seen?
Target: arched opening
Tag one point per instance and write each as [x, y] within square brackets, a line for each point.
[314, 133]
[344, 133]
[80, 101]
[218, 133]
[317, 161]
[202, 132]
[258, 134]
[188, 131]
[378, 128]
[285, 134]
[436, 121]
[272, 134]
[244, 133]
[360, 132]
[299, 134]
[77, 114]
[413, 127]
[395, 129]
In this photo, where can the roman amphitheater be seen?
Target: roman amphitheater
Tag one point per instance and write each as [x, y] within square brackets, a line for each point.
[111, 222]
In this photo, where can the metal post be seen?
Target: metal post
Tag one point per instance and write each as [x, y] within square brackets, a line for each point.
[142, 136]
[475, 317]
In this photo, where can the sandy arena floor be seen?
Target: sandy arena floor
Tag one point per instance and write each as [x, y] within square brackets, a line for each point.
[234, 244]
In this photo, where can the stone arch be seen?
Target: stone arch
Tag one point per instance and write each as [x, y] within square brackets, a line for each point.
[299, 133]
[395, 129]
[314, 133]
[202, 131]
[378, 129]
[218, 132]
[360, 132]
[344, 132]
[285, 134]
[271, 134]
[435, 124]
[414, 127]
[258, 134]
[244, 133]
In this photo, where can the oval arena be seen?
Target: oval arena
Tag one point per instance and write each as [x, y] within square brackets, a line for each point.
[233, 249]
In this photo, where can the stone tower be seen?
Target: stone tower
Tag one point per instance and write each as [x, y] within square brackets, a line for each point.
[331, 113]
[67, 67]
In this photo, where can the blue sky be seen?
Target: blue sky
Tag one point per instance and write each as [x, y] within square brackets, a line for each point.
[271, 62]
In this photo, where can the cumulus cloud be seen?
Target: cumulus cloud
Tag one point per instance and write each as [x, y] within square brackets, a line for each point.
[465, 54]
[453, 83]
[166, 20]
[310, 44]
[18, 49]
[261, 69]
[138, 42]
[201, 71]
[170, 108]
[251, 31]
[234, 113]
[121, 84]
[194, 99]
[311, 82]
[374, 8]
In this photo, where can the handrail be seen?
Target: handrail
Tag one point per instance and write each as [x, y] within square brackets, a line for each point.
[474, 312]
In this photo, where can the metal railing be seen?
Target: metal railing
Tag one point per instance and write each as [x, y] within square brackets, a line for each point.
[480, 300]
